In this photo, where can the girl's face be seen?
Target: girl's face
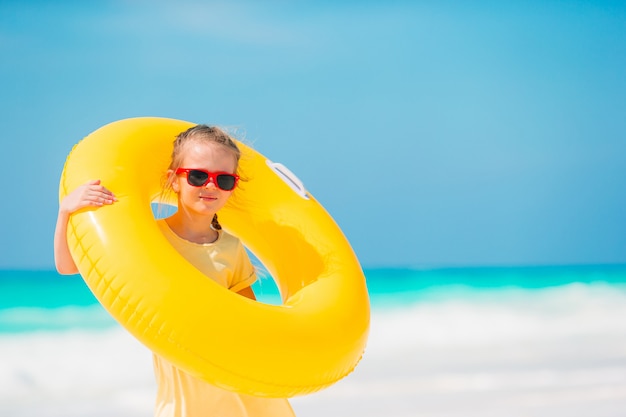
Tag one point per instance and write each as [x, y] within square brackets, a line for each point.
[208, 199]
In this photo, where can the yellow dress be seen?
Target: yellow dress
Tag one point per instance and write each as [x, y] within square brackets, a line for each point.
[182, 395]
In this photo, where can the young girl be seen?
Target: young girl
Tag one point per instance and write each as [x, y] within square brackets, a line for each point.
[202, 173]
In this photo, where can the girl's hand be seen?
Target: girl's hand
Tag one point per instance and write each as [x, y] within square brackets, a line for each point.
[91, 194]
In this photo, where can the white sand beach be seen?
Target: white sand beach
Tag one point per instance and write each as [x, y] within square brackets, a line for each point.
[577, 377]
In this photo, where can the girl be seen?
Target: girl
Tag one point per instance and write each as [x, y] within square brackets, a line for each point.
[202, 173]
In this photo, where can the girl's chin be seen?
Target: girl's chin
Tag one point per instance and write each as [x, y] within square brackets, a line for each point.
[208, 207]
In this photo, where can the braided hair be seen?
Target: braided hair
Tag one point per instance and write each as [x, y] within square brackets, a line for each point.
[215, 224]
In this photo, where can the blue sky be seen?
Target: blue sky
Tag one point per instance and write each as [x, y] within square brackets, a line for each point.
[436, 133]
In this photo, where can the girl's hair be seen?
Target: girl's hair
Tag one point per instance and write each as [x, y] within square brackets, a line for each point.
[199, 134]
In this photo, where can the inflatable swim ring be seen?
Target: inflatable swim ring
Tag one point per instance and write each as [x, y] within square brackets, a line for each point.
[311, 341]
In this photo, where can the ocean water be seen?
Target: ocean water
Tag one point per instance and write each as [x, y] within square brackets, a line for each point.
[532, 341]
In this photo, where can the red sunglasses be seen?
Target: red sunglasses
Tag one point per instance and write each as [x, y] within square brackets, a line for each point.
[199, 178]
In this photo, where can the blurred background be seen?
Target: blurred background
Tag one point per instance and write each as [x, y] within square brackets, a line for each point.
[474, 154]
[469, 134]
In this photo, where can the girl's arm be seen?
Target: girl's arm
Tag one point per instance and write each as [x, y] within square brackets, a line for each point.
[91, 194]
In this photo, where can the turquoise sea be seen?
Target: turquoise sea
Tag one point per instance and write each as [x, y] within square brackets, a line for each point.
[45, 300]
[546, 340]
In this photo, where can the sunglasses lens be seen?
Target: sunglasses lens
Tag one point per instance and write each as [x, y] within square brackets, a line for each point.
[197, 178]
[226, 182]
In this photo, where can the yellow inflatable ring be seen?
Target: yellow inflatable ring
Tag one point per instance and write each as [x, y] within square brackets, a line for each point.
[311, 341]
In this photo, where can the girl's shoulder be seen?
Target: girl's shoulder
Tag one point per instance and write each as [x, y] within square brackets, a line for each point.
[226, 238]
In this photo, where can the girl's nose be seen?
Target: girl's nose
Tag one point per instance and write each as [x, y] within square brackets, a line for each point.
[209, 183]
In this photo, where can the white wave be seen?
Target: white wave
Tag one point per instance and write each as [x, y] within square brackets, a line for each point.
[21, 319]
[503, 316]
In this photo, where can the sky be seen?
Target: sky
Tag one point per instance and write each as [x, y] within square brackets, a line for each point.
[436, 133]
